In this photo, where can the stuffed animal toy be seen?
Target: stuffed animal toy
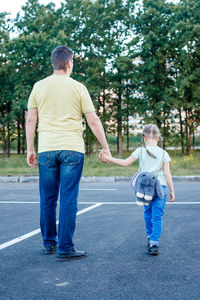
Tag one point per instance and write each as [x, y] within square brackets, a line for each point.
[146, 186]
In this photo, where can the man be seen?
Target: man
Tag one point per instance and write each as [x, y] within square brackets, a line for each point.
[58, 102]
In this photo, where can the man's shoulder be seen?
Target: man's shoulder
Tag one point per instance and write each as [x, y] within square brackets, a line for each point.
[69, 81]
[77, 83]
[42, 81]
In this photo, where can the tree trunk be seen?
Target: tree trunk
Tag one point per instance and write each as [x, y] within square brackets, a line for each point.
[181, 131]
[119, 118]
[18, 136]
[120, 146]
[91, 148]
[187, 133]
[23, 133]
[8, 140]
[97, 146]
[164, 134]
[4, 141]
[127, 138]
[127, 125]
[193, 141]
[119, 137]
[190, 138]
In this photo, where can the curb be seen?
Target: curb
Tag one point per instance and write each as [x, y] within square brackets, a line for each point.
[91, 179]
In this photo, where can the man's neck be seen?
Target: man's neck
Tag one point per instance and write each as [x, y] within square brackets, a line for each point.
[61, 72]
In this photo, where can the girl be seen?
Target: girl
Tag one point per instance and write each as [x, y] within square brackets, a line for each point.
[153, 159]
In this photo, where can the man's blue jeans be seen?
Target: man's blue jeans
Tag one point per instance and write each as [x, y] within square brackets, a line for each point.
[153, 217]
[59, 171]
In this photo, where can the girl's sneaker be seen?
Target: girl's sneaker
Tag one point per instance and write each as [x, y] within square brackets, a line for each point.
[153, 250]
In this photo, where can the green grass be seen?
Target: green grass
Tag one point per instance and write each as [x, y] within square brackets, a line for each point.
[15, 165]
[180, 165]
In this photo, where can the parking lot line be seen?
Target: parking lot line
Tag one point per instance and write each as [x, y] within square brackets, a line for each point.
[97, 189]
[92, 202]
[34, 232]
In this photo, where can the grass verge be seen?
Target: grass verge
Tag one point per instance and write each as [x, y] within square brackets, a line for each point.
[180, 165]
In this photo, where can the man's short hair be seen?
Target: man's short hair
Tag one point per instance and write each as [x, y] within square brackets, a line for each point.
[60, 57]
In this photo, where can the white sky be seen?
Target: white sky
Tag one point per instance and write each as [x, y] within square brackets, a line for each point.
[14, 6]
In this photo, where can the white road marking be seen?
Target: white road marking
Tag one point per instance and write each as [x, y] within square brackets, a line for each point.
[32, 233]
[98, 189]
[19, 202]
[181, 202]
[37, 202]
[89, 208]
[92, 202]
[62, 283]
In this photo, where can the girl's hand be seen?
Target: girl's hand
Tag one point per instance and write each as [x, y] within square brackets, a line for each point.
[172, 196]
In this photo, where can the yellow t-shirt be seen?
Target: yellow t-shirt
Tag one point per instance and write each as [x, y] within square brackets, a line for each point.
[60, 101]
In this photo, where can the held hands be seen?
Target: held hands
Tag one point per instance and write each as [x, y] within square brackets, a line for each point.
[105, 156]
[32, 159]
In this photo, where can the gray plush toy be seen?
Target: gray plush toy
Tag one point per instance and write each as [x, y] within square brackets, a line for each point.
[146, 186]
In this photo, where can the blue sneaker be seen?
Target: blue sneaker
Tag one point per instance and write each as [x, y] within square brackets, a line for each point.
[153, 250]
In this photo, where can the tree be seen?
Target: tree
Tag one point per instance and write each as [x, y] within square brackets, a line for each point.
[155, 81]
[5, 84]
[185, 34]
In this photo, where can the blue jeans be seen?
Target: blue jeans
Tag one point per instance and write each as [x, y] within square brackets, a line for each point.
[153, 217]
[59, 171]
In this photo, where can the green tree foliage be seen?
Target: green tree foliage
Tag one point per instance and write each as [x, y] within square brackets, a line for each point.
[6, 86]
[185, 34]
[155, 81]
[136, 58]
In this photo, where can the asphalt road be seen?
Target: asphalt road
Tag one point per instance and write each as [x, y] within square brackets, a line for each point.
[118, 265]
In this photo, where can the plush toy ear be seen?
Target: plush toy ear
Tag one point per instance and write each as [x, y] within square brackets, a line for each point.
[134, 179]
[159, 189]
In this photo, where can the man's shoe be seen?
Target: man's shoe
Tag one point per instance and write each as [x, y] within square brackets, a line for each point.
[153, 250]
[50, 249]
[71, 255]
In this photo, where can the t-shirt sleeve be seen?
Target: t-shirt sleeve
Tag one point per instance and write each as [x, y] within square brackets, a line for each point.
[166, 157]
[32, 99]
[137, 153]
[86, 101]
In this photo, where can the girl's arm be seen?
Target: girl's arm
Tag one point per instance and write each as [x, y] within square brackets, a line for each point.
[168, 178]
[121, 162]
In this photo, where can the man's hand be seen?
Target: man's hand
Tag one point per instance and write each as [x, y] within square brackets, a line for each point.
[31, 122]
[32, 159]
[172, 196]
[105, 156]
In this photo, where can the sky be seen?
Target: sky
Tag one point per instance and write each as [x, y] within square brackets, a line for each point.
[14, 6]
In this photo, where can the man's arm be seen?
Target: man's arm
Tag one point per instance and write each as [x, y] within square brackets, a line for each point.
[31, 122]
[97, 128]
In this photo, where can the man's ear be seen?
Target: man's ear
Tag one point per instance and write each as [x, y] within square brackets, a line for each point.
[159, 189]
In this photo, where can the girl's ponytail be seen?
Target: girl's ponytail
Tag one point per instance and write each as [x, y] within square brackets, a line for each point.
[151, 131]
[149, 153]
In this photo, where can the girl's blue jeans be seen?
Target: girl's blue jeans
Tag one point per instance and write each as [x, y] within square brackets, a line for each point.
[59, 171]
[153, 217]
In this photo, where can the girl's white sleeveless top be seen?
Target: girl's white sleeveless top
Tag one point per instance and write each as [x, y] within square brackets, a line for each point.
[150, 164]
